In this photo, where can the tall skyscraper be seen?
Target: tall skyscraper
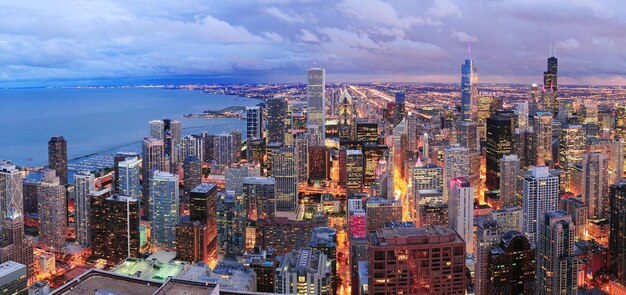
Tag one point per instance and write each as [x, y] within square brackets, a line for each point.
[114, 227]
[469, 90]
[170, 132]
[401, 261]
[540, 194]
[57, 157]
[164, 208]
[203, 210]
[617, 233]
[192, 174]
[380, 211]
[276, 119]
[509, 166]
[316, 107]
[223, 149]
[456, 161]
[52, 208]
[521, 111]
[153, 160]
[254, 122]
[461, 210]
[550, 86]
[354, 171]
[128, 172]
[499, 143]
[301, 149]
[347, 128]
[578, 210]
[557, 264]
[84, 185]
[400, 107]
[595, 184]
[542, 125]
[305, 271]
[285, 173]
[427, 177]
[511, 266]
[259, 194]
[15, 245]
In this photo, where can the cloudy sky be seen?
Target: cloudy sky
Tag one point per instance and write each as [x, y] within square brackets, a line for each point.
[44, 42]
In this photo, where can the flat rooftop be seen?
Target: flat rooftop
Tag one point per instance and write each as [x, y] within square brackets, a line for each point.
[147, 269]
[96, 280]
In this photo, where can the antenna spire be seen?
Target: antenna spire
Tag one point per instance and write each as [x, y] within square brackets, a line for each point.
[469, 49]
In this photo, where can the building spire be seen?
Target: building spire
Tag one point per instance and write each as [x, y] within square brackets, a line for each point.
[469, 49]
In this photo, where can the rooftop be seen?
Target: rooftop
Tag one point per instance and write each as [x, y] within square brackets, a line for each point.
[203, 188]
[9, 267]
[414, 236]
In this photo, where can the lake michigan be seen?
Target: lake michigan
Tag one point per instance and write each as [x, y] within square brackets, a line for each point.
[97, 119]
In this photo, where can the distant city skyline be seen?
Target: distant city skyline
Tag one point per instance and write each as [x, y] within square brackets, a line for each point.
[114, 42]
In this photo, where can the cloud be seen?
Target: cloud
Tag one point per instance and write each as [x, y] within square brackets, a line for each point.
[308, 36]
[463, 37]
[444, 8]
[568, 44]
[291, 17]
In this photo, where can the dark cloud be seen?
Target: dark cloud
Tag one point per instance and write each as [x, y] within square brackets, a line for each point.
[276, 40]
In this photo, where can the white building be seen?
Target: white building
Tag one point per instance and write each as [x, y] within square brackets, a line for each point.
[461, 210]
[164, 205]
[456, 164]
[540, 194]
[84, 184]
[557, 265]
[305, 272]
[316, 105]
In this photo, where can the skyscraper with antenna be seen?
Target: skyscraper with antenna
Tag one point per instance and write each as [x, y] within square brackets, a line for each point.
[469, 90]
[550, 85]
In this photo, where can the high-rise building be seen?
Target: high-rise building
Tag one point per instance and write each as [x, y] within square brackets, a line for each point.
[319, 163]
[400, 107]
[617, 233]
[354, 171]
[521, 111]
[285, 173]
[461, 210]
[469, 90]
[152, 160]
[13, 278]
[304, 271]
[223, 149]
[578, 210]
[57, 157]
[499, 143]
[170, 132]
[276, 119]
[380, 211]
[192, 173]
[114, 227]
[254, 122]
[84, 185]
[127, 175]
[234, 176]
[595, 184]
[542, 126]
[231, 221]
[410, 260]
[550, 86]
[324, 239]
[52, 209]
[203, 203]
[571, 145]
[511, 266]
[316, 104]
[193, 146]
[488, 235]
[427, 177]
[259, 194]
[540, 194]
[191, 241]
[346, 118]
[557, 264]
[164, 208]
[284, 234]
[509, 166]
[301, 149]
[456, 164]
[15, 246]
[264, 264]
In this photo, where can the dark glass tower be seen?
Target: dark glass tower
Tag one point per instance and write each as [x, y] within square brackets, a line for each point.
[550, 76]
[511, 266]
[400, 107]
[57, 157]
[469, 90]
[276, 113]
[617, 232]
[499, 143]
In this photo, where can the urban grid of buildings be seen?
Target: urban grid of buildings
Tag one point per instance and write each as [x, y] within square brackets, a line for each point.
[346, 189]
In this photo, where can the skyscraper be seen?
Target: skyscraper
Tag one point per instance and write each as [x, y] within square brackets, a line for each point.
[285, 173]
[511, 266]
[347, 128]
[557, 265]
[469, 90]
[52, 208]
[153, 160]
[542, 125]
[170, 132]
[354, 171]
[305, 271]
[276, 119]
[316, 107]
[402, 261]
[164, 207]
[128, 172]
[509, 166]
[223, 149]
[461, 210]
[57, 157]
[540, 194]
[499, 143]
[595, 184]
[15, 245]
[617, 233]
[400, 107]
[301, 150]
[83, 187]
[456, 161]
[192, 173]
[254, 122]
[259, 193]
[380, 211]
[203, 210]
[114, 227]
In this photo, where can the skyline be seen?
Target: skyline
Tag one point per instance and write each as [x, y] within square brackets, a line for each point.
[111, 42]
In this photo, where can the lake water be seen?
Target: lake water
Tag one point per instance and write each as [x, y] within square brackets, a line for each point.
[97, 119]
